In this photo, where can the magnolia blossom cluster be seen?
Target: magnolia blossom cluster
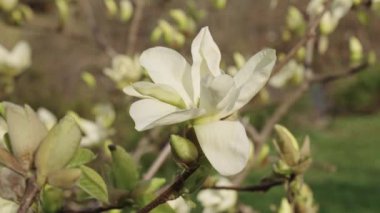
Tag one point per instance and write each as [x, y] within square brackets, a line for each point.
[202, 94]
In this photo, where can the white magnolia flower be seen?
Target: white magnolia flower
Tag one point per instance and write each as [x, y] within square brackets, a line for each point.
[292, 72]
[15, 61]
[215, 201]
[47, 117]
[124, 70]
[93, 132]
[202, 93]
[179, 205]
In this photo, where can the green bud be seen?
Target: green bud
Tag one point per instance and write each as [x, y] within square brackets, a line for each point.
[285, 207]
[301, 53]
[58, 148]
[63, 10]
[185, 152]
[356, 50]
[8, 5]
[323, 44]
[219, 4]
[89, 79]
[25, 131]
[126, 10]
[327, 24]
[295, 21]
[372, 58]
[280, 167]
[179, 17]
[287, 145]
[52, 199]
[124, 169]
[156, 35]
[111, 7]
[65, 178]
[239, 60]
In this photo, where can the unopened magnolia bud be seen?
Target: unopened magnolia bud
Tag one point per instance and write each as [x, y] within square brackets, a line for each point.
[156, 35]
[219, 4]
[63, 9]
[124, 169]
[327, 24]
[8, 5]
[372, 58]
[285, 207]
[179, 17]
[356, 50]
[25, 131]
[58, 148]
[280, 167]
[111, 7]
[239, 60]
[184, 150]
[287, 145]
[323, 44]
[65, 178]
[126, 10]
[294, 20]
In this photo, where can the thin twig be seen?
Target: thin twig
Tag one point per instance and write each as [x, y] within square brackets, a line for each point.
[326, 78]
[31, 193]
[158, 162]
[261, 187]
[135, 25]
[96, 32]
[172, 189]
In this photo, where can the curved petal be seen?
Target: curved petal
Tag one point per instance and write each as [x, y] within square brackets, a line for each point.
[225, 144]
[149, 113]
[166, 66]
[253, 76]
[206, 54]
[218, 94]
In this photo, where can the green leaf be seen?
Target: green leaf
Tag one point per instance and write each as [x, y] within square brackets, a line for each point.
[92, 183]
[124, 170]
[81, 157]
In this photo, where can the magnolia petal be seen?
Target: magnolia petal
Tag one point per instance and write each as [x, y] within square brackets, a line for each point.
[148, 113]
[218, 93]
[166, 66]
[161, 92]
[253, 76]
[225, 144]
[206, 54]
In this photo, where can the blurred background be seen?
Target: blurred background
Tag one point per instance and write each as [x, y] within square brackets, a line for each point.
[70, 51]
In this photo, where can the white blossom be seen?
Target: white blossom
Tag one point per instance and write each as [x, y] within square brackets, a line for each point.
[15, 61]
[179, 205]
[203, 94]
[215, 201]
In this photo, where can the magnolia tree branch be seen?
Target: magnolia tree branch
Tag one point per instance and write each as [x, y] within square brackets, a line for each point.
[96, 32]
[168, 193]
[158, 162]
[31, 192]
[264, 186]
[135, 26]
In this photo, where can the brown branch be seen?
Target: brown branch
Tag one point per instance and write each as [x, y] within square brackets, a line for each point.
[31, 193]
[166, 195]
[326, 78]
[96, 32]
[135, 25]
[158, 162]
[261, 187]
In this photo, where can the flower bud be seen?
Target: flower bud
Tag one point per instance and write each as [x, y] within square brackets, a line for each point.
[124, 169]
[63, 10]
[287, 145]
[26, 132]
[356, 50]
[280, 167]
[328, 24]
[285, 207]
[179, 17]
[58, 148]
[65, 178]
[111, 7]
[8, 5]
[294, 20]
[183, 150]
[156, 35]
[219, 4]
[126, 10]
